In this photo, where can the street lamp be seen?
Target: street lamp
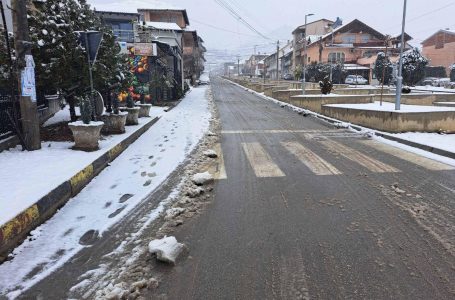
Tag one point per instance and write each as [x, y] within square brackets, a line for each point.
[304, 54]
[400, 67]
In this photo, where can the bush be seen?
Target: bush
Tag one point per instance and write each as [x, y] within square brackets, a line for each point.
[326, 85]
[452, 73]
[383, 68]
[317, 72]
[413, 67]
[439, 72]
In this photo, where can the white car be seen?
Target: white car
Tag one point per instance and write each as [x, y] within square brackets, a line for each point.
[355, 79]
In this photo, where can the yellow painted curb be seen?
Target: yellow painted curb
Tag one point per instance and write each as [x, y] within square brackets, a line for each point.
[114, 152]
[19, 224]
[81, 177]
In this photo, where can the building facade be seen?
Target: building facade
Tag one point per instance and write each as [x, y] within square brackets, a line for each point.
[439, 48]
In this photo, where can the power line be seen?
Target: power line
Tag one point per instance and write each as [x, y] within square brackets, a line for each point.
[426, 14]
[222, 29]
[234, 13]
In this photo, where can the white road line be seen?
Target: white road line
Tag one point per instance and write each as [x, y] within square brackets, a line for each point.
[370, 163]
[260, 161]
[427, 163]
[275, 131]
[219, 169]
[315, 163]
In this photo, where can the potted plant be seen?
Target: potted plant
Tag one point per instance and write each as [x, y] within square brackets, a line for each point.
[114, 120]
[144, 107]
[133, 112]
[326, 85]
[86, 132]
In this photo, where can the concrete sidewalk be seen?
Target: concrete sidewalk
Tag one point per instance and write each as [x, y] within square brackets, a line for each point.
[34, 185]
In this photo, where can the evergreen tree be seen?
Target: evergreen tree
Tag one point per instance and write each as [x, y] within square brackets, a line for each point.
[5, 63]
[413, 67]
[383, 68]
[452, 73]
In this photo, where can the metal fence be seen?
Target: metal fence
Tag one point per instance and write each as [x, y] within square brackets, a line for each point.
[7, 115]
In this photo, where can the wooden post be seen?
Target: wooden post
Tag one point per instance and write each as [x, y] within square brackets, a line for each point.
[29, 111]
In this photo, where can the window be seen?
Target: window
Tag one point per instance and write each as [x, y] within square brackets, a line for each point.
[365, 38]
[336, 57]
[349, 39]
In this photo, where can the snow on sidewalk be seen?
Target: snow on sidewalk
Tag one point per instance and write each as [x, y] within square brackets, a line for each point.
[26, 177]
[111, 195]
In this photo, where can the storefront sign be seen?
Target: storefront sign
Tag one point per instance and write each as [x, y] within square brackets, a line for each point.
[145, 49]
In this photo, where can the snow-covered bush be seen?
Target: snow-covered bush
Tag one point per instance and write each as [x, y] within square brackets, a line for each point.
[326, 86]
[438, 71]
[316, 72]
[413, 67]
[452, 73]
[383, 68]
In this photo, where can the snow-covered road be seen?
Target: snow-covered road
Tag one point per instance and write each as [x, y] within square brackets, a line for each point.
[110, 196]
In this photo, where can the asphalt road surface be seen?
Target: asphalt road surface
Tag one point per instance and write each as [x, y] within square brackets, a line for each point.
[301, 210]
[308, 211]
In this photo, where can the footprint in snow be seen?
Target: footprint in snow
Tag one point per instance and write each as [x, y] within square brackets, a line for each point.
[108, 204]
[89, 238]
[147, 183]
[125, 198]
[115, 213]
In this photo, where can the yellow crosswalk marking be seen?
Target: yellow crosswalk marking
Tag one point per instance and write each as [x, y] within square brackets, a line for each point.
[315, 163]
[260, 161]
[370, 163]
[409, 156]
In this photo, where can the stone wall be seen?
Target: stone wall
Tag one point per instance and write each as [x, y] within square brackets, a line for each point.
[395, 121]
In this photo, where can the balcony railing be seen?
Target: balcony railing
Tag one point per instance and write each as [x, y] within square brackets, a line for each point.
[124, 35]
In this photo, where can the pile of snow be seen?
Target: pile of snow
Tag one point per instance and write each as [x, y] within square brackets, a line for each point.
[166, 249]
[390, 107]
[202, 178]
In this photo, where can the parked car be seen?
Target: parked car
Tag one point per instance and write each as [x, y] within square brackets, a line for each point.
[288, 77]
[441, 82]
[428, 81]
[355, 79]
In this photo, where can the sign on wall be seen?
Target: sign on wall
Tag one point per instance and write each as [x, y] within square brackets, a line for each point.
[145, 49]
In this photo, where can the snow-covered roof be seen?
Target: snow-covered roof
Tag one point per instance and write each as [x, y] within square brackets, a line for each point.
[163, 26]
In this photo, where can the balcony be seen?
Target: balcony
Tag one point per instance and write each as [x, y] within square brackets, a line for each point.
[124, 35]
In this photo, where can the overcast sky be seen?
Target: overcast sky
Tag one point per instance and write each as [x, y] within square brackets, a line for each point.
[277, 18]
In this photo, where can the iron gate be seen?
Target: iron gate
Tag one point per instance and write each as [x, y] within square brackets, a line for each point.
[7, 115]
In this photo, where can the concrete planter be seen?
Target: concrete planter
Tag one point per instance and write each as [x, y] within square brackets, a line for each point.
[144, 111]
[114, 124]
[86, 136]
[133, 115]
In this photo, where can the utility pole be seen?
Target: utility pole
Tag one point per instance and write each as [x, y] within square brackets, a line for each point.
[238, 65]
[277, 60]
[304, 55]
[29, 111]
[400, 67]
[387, 40]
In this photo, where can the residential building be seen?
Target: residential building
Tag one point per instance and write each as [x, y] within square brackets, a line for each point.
[165, 15]
[251, 65]
[439, 48]
[286, 58]
[167, 65]
[193, 55]
[121, 24]
[313, 31]
[354, 43]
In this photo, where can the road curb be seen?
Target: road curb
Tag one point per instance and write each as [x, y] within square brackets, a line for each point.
[16, 230]
[427, 148]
